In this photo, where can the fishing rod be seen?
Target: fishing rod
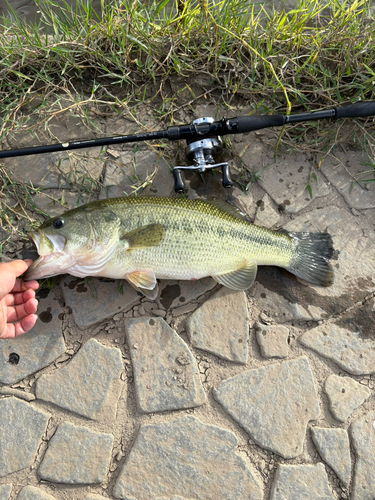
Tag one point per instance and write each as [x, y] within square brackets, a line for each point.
[203, 137]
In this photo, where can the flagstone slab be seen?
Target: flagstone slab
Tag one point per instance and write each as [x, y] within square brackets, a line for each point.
[28, 353]
[186, 455]
[175, 497]
[341, 346]
[21, 431]
[176, 293]
[221, 325]
[273, 404]
[286, 182]
[334, 448]
[34, 493]
[94, 496]
[363, 439]
[344, 395]
[272, 340]
[104, 300]
[76, 455]
[297, 482]
[266, 215]
[55, 170]
[87, 384]
[341, 169]
[166, 374]
[280, 303]
[5, 491]
[129, 171]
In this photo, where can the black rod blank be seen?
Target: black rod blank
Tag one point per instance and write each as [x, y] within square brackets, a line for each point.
[193, 132]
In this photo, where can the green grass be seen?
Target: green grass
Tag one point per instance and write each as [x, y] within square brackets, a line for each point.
[318, 55]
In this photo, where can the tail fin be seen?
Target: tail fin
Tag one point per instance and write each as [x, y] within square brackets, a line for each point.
[312, 253]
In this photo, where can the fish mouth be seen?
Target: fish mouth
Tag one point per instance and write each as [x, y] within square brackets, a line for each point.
[52, 258]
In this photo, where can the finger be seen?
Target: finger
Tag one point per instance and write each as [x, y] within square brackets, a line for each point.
[21, 286]
[15, 267]
[17, 313]
[14, 299]
[15, 329]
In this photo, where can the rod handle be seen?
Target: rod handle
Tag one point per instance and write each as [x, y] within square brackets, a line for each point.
[256, 122]
[358, 109]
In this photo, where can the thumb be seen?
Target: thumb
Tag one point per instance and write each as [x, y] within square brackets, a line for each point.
[9, 271]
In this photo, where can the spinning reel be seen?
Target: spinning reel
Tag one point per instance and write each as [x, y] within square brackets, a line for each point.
[203, 137]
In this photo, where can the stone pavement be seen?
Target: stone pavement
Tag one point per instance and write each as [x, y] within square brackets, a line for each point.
[206, 393]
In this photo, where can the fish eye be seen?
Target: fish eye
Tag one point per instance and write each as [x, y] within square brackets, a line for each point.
[58, 223]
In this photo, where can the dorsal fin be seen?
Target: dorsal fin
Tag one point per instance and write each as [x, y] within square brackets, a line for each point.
[227, 207]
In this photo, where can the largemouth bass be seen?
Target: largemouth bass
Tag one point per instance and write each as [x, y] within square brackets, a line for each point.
[145, 238]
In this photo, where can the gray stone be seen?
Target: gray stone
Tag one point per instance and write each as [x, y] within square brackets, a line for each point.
[345, 348]
[142, 171]
[94, 496]
[244, 201]
[5, 490]
[273, 404]
[58, 170]
[272, 340]
[341, 170]
[177, 293]
[187, 456]
[354, 269]
[165, 372]
[21, 431]
[33, 493]
[297, 482]
[266, 215]
[37, 348]
[89, 385]
[344, 396]
[282, 305]
[175, 497]
[363, 439]
[334, 448]
[221, 325]
[76, 455]
[99, 303]
[54, 204]
[285, 182]
[8, 391]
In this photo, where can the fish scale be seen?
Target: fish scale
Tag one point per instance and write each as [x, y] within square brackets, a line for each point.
[196, 243]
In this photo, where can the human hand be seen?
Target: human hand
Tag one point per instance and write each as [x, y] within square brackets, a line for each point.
[17, 299]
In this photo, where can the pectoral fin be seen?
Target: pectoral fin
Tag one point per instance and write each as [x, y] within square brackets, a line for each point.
[144, 282]
[240, 279]
[143, 237]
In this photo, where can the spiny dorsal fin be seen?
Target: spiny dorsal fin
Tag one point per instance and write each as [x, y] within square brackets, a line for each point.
[145, 236]
[227, 207]
[240, 279]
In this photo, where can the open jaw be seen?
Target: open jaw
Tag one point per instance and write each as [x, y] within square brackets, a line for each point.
[53, 260]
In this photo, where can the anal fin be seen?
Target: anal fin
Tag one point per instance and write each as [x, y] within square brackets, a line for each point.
[240, 279]
[144, 282]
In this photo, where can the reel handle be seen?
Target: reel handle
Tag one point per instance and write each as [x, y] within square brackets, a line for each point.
[179, 185]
